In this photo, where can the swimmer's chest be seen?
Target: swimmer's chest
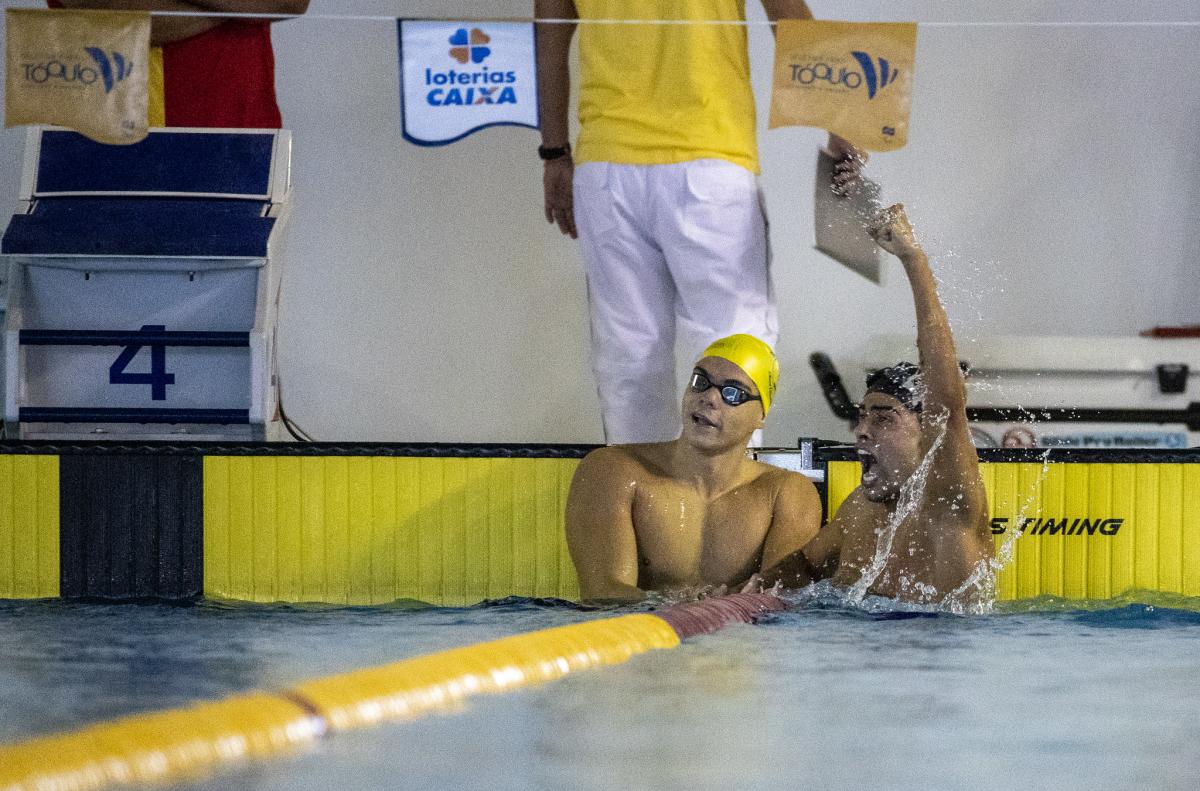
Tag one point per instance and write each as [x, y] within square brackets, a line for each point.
[686, 538]
[922, 550]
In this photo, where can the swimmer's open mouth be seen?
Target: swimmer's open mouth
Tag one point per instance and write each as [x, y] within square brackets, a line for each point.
[701, 420]
[869, 474]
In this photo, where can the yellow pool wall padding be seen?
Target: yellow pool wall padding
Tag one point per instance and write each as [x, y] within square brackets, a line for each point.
[1157, 546]
[373, 530]
[194, 741]
[29, 519]
[361, 530]
[454, 532]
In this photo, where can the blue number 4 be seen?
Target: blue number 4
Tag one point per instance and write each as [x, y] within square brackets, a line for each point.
[158, 378]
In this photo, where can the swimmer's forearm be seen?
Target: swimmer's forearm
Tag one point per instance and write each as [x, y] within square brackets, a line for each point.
[935, 342]
[794, 571]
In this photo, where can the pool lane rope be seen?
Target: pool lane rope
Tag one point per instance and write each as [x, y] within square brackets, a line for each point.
[193, 741]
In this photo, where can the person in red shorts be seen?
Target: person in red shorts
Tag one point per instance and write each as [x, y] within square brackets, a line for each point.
[215, 72]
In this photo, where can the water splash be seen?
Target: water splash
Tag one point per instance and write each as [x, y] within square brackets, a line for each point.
[906, 504]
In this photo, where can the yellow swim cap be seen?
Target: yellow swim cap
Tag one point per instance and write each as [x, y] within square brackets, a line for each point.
[755, 358]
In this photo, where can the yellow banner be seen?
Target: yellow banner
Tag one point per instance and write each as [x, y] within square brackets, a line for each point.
[83, 70]
[853, 79]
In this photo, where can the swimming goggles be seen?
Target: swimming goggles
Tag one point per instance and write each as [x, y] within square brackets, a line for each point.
[730, 394]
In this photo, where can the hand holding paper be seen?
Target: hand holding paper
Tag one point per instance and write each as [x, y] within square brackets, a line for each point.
[848, 164]
[841, 219]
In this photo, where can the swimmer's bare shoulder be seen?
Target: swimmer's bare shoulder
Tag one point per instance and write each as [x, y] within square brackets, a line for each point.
[795, 513]
[599, 522]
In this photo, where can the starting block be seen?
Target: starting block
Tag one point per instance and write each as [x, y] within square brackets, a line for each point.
[143, 286]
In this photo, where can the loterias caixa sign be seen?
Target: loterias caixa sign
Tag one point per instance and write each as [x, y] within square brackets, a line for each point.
[459, 77]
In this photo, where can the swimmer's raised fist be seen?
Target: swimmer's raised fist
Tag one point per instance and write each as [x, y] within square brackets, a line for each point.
[892, 231]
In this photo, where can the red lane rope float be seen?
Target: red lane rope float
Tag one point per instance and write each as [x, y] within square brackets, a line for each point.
[709, 615]
[200, 739]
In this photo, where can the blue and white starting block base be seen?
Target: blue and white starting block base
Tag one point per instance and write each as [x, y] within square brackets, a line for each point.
[143, 286]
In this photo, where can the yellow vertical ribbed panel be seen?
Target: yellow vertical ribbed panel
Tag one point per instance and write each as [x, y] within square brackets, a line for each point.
[29, 519]
[407, 541]
[428, 525]
[360, 529]
[287, 512]
[1170, 527]
[1120, 490]
[1076, 581]
[1189, 514]
[500, 532]
[382, 540]
[475, 533]
[372, 530]
[1099, 560]
[524, 483]
[1026, 503]
[1050, 564]
[1145, 543]
[842, 479]
[314, 576]
[240, 507]
[1156, 547]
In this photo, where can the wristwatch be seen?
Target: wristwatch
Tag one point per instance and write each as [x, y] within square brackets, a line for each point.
[554, 153]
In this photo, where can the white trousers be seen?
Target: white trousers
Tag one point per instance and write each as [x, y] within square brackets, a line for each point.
[670, 252]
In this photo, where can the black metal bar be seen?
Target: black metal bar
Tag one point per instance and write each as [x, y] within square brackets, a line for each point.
[824, 452]
[132, 415]
[1059, 455]
[843, 407]
[1190, 417]
[134, 338]
[439, 450]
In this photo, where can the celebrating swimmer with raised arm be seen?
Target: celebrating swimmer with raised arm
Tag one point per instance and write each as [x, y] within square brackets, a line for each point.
[694, 513]
[916, 528]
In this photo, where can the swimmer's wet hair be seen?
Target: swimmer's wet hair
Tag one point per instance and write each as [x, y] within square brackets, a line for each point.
[901, 381]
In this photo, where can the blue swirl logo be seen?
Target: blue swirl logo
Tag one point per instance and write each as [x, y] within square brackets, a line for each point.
[873, 74]
[106, 68]
[876, 80]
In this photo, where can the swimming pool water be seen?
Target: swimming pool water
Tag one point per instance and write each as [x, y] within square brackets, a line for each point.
[1038, 695]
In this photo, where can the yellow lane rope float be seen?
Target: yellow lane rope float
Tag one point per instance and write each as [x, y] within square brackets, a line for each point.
[196, 740]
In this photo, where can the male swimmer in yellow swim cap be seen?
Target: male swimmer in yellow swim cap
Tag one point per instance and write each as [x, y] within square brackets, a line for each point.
[694, 513]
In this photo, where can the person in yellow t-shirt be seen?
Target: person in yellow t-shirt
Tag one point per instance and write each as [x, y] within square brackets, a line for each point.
[660, 189]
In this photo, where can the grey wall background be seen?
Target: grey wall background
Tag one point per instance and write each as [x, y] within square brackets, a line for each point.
[1053, 171]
